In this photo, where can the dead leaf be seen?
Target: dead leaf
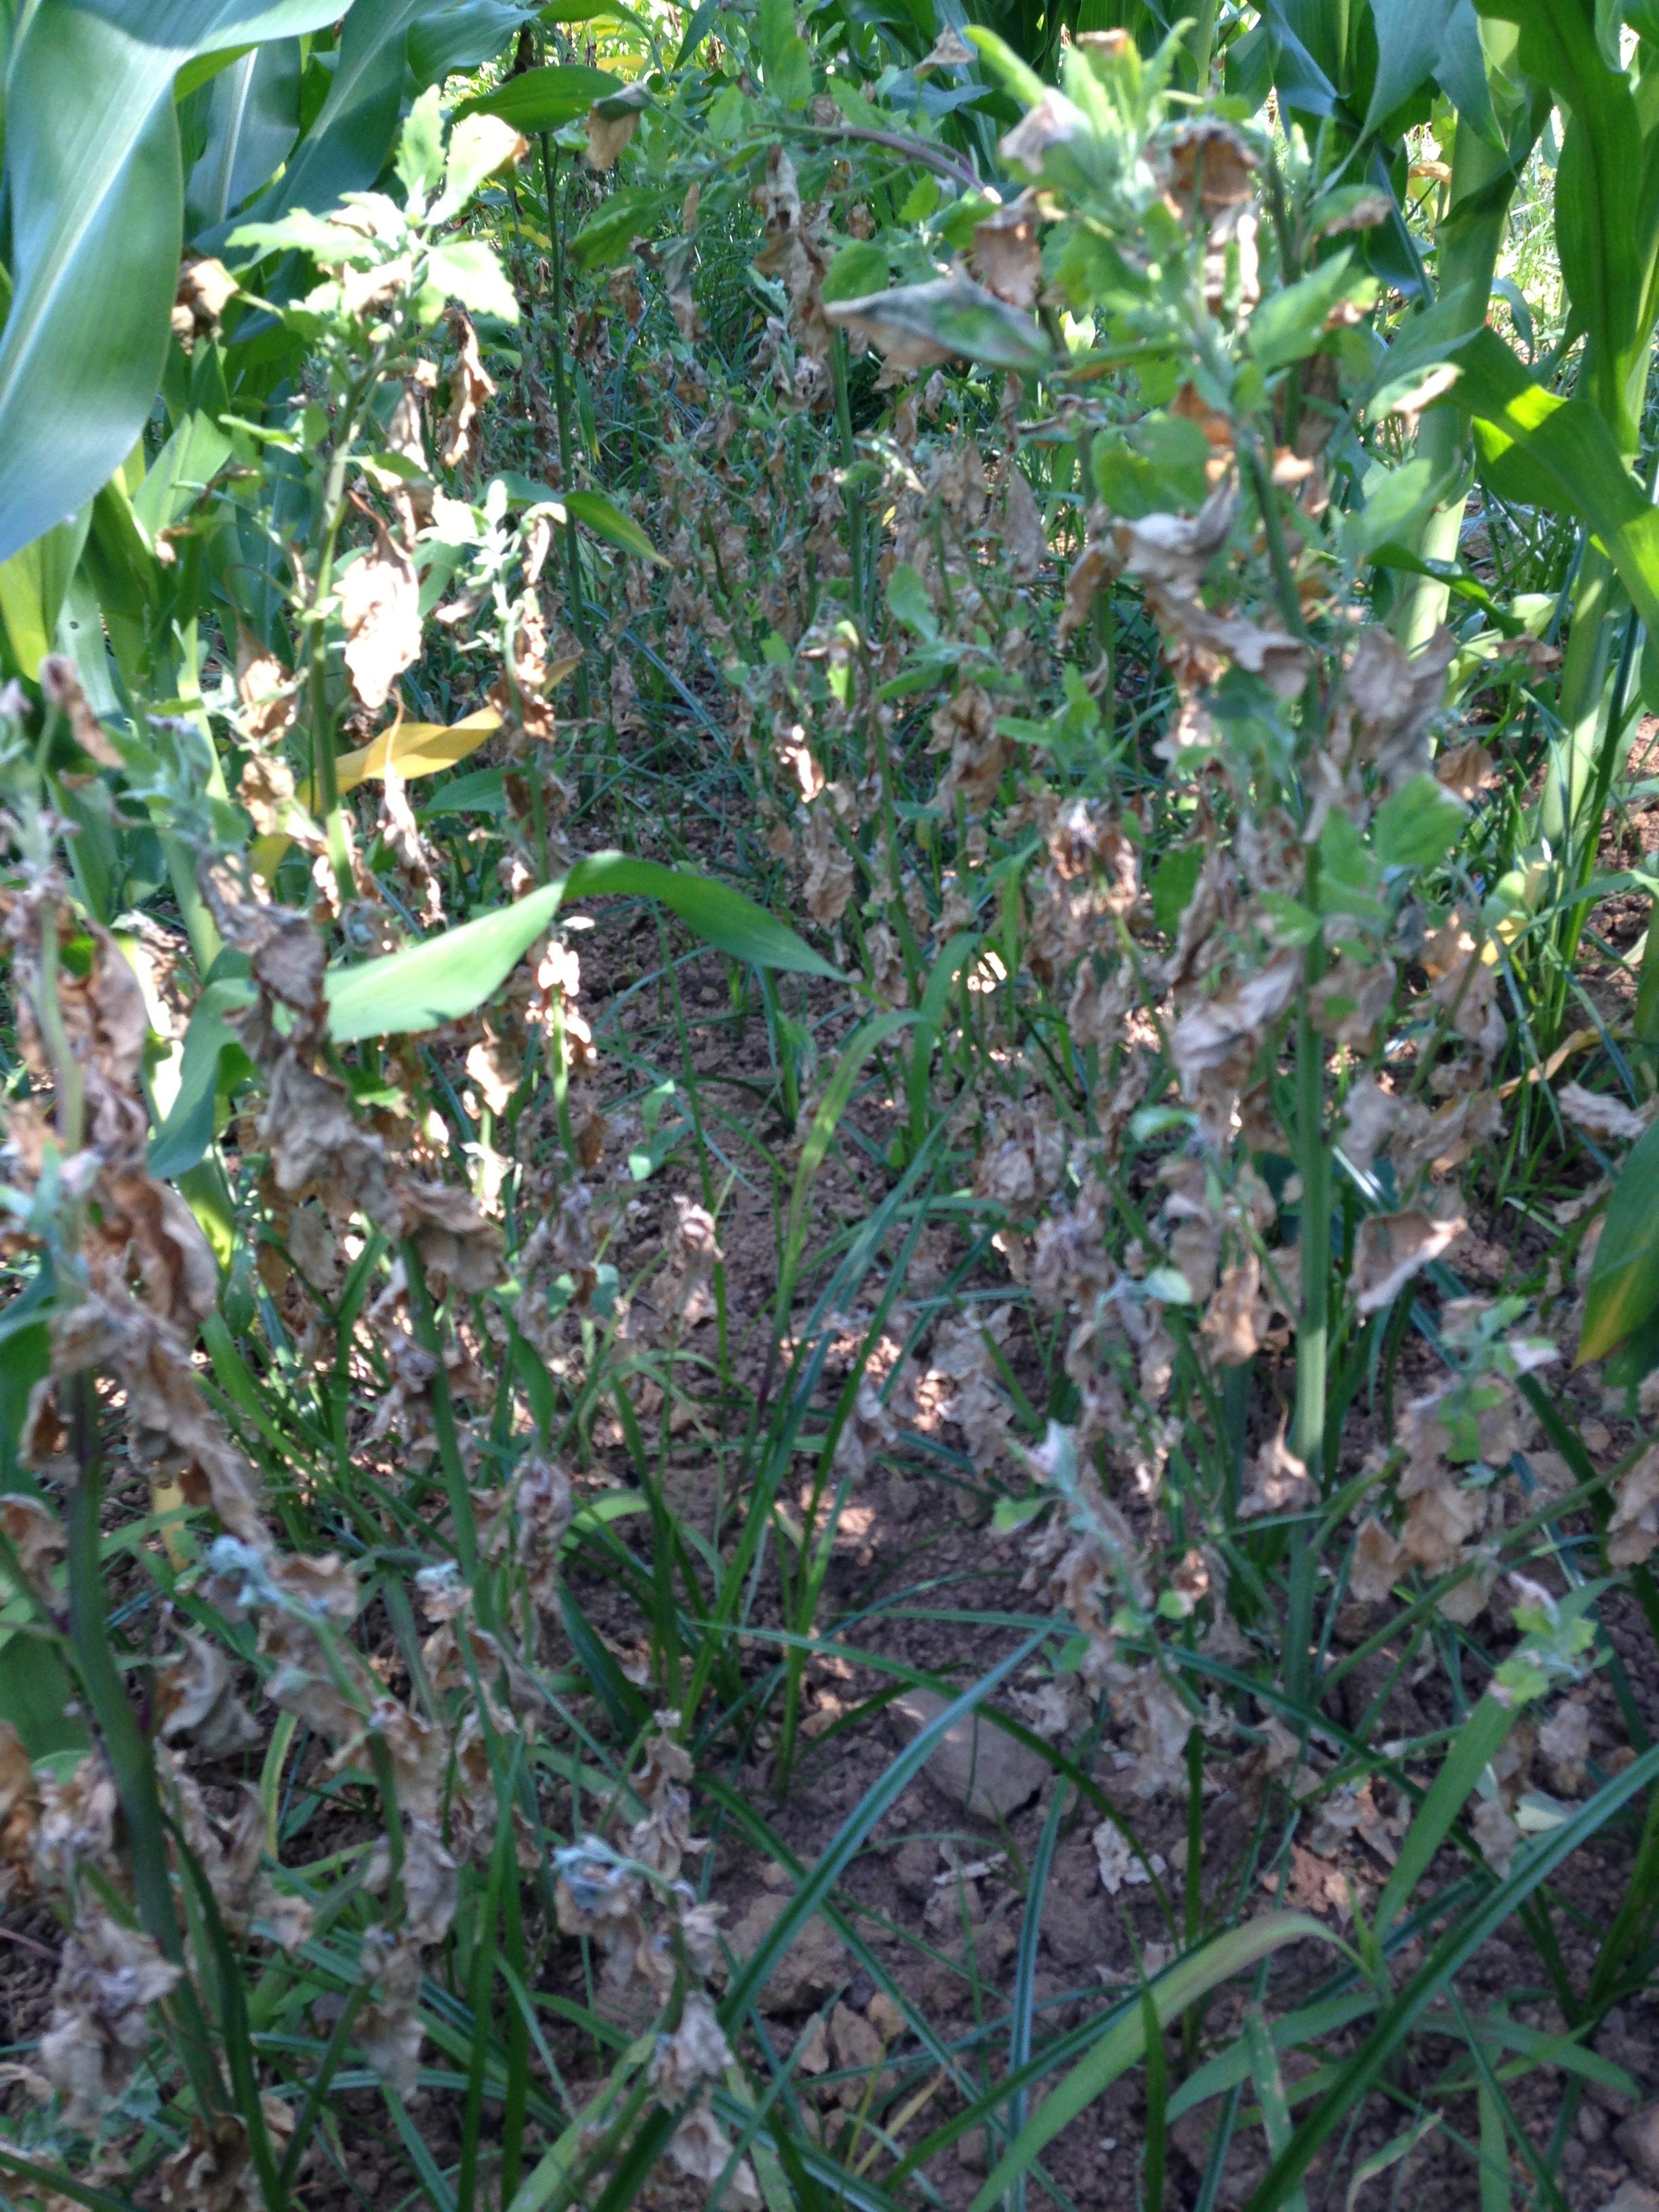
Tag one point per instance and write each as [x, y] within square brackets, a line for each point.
[1633, 1531]
[1397, 696]
[1466, 771]
[1391, 1247]
[1353, 1001]
[1055, 121]
[1601, 1116]
[1314, 1884]
[1377, 1557]
[457, 1243]
[608, 135]
[1007, 257]
[197, 1694]
[1278, 1479]
[381, 607]
[1564, 1744]
[60, 685]
[1211, 1031]
[1176, 549]
[949, 50]
[471, 385]
[205, 289]
[108, 1978]
[1024, 536]
[1371, 1112]
[794, 253]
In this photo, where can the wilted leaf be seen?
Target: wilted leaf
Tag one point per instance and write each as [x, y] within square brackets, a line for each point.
[919, 325]
[1006, 252]
[1601, 1116]
[1391, 1247]
[381, 607]
[611, 124]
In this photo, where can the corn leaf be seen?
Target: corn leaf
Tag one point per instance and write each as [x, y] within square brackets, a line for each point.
[96, 201]
[1571, 451]
[1624, 1282]
[416, 749]
[439, 981]
[606, 519]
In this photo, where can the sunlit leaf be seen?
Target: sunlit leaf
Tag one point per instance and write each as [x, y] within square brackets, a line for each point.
[444, 978]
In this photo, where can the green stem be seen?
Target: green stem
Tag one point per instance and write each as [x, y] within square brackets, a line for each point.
[562, 413]
[1313, 1325]
[331, 504]
[1467, 240]
[853, 500]
[129, 1753]
[456, 1486]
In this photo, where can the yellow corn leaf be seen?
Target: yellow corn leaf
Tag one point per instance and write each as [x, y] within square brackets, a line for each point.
[414, 749]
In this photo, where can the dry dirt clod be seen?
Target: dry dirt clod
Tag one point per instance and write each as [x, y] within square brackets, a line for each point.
[981, 1770]
[1637, 2137]
[808, 1970]
[914, 1864]
[1632, 2197]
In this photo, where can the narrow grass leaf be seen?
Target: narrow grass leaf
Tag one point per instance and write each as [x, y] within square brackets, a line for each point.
[1124, 2043]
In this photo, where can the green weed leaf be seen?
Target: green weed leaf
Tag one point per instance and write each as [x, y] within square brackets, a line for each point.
[1419, 825]
[543, 98]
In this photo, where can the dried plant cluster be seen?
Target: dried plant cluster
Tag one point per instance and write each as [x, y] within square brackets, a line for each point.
[832, 1214]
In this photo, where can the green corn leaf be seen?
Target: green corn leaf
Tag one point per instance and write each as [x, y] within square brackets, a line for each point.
[849, 1065]
[1624, 1282]
[1573, 457]
[752, 1976]
[724, 918]
[606, 519]
[1605, 239]
[463, 36]
[447, 976]
[592, 11]
[543, 99]
[253, 119]
[1234, 2065]
[347, 145]
[1471, 1749]
[1124, 2043]
[34, 585]
[52, 2177]
[181, 472]
[1410, 34]
[96, 202]
[183, 1136]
